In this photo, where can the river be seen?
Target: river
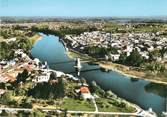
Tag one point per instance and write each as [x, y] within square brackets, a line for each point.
[141, 92]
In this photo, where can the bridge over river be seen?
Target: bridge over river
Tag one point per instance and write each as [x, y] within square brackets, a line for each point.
[141, 92]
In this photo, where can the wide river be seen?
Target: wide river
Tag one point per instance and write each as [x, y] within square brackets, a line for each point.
[143, 93]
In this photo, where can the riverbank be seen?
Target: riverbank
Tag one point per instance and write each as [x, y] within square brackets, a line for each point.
[35, 38]
[122, 69]
[126, 71]
[106, 80]
[71, 100]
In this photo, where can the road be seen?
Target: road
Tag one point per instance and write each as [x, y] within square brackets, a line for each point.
[94, 102]
[142, 113]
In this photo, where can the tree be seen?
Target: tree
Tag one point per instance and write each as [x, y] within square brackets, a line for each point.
[7, 114]
[37, 113]
[23, 114]
[134, 59]
[26, 103]
[45, 90]
[19, 91]
[6, 98]
[53, 76]
[21, 77]
[96, 51]
[60, 87]
[83, 80]
[163, 51]
[109, 93]
[96, 89]
[122, 58]
[154, 55]
[13, 103]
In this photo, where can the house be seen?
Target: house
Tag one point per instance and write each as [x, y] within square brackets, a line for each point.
[85, 93]
[11, 62]
[44, 77]
[11, 39]
[3, 78]
[7, 78]
[54, 81]
[2, 91]
[28, 66]
[165, 56]
[3, 62]
[44, 66]
[36, 62]
[144, 54]
[59, 73]
[115, 57]
[72, 77]
[19, 53]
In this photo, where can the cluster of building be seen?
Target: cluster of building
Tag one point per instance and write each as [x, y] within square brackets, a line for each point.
[123, 42]
[95, 38]
[38, 71]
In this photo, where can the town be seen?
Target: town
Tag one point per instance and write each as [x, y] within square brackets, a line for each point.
[83, 58]
[143, 42]
[28, 84]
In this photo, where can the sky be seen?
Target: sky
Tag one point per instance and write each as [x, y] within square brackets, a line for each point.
[83, 8]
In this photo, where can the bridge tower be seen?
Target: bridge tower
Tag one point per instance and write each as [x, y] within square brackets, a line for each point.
[78, 63]
[78, 66]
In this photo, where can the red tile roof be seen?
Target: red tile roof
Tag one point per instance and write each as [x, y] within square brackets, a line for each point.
[8, 77]
[84, 89]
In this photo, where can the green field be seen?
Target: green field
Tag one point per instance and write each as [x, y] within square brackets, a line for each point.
[110, 105]
[77, 105]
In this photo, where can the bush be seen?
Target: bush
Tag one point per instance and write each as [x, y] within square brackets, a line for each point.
[6, 98]
[13, 103]
[37, 113]
[26, 103]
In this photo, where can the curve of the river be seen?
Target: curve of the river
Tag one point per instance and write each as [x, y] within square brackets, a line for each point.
[141, 92]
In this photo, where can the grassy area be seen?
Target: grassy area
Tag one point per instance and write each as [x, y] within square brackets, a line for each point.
[73, 55]
[110, 26]
[44, 104]
[78, 105]
[110, 105]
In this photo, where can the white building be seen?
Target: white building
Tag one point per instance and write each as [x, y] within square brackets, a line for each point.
[115, 57]
[42, 78]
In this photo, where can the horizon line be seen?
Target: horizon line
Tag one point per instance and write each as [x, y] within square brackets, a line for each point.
[92, 16]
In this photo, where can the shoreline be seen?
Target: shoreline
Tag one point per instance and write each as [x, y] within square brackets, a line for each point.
[130, 75]
[138, 109]
[114, 68]
[35, 38]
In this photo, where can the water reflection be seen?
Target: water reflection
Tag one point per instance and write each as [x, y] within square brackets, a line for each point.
[92, 63]
[104, 70]
[157, 89]
[77, 71]
[134, 79]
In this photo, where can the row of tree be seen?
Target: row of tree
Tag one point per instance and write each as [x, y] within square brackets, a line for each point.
[100, 52]
[63, 30]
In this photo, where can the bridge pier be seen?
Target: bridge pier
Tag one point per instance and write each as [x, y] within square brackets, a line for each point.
[78, 66]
